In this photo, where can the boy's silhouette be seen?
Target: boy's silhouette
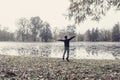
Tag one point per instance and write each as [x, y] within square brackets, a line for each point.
[66, 46]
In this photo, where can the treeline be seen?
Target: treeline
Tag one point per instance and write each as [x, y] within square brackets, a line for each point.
[5, 35]
[33, 29]
[102, 35]
[37, 30]
[92, 35]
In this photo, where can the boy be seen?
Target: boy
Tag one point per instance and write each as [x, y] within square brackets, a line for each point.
[66, 46]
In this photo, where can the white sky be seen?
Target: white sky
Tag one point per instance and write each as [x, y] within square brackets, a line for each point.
[49, 10]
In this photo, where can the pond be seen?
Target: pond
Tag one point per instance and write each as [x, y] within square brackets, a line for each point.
[78, 50]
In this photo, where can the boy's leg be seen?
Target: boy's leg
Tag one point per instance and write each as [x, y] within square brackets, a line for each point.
[64, 53]
[67, 55]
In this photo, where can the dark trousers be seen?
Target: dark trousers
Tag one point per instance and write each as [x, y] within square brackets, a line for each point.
[66, 50]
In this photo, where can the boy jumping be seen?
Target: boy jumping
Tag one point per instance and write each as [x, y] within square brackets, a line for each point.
[66, 46]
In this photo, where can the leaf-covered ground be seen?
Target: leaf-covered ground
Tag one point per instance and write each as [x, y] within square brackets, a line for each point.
[38, 68]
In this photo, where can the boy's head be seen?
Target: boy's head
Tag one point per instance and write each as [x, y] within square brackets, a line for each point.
[65, 37]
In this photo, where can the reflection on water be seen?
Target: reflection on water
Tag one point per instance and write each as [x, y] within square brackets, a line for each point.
[77, 50]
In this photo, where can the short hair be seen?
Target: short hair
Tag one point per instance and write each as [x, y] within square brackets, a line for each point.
[65, 37]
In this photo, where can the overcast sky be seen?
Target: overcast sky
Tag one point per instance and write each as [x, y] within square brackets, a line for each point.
[49, 10]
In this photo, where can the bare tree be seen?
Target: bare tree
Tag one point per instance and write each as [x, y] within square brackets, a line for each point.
[55, 33]
[46, 33]
[87, 36]
[22, 27]
[116, 32]
[36, 25]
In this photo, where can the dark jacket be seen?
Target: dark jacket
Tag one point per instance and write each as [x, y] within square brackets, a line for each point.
[66, 41]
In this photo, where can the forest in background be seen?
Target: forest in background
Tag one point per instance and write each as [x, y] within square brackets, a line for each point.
[37, 30]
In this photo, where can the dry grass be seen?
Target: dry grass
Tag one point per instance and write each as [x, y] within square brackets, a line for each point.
[37, 68]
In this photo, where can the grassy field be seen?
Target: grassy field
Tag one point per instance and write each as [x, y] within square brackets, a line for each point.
[37, 68]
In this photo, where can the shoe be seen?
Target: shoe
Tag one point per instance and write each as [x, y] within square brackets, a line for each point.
[63, 58]
[67, 59]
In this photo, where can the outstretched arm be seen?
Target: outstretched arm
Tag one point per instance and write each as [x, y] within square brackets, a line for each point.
[60, 40]
[71, 37]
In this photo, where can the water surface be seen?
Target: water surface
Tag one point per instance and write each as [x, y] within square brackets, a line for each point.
[78, 50]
